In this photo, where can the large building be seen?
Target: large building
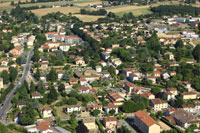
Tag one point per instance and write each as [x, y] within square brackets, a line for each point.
[145, 123]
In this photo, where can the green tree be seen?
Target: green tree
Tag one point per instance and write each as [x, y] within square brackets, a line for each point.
[155, 90]
[179, 44]
[196, 52]
[52, 76]
[5, 76]
[61, 87]
[3, 128]
[72, 101]
[27, 117]
[52, 95]
[13, 73]
[123, 129]
[96, 112]
[37, 75]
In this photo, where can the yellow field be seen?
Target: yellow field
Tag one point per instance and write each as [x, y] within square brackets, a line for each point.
[136, 10]
[89, 3]
[87, 18]
[65, 10]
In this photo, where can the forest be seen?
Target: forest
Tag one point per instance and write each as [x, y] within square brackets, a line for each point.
[181, 10]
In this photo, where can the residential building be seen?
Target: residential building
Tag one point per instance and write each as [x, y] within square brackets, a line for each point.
[72, 108]
[90, 123]
[44, 127]
[110, 122]
[145, 123]
[46, 112]
[158, 104]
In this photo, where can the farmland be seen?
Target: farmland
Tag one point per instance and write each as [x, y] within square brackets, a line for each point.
[77, 5]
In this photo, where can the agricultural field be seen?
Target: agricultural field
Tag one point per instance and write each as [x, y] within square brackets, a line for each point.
[88, 18]
[136, 10]
[65, 10]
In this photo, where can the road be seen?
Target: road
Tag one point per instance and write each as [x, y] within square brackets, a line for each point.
[9, 97]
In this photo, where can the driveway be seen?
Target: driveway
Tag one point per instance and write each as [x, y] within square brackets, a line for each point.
[123, 122]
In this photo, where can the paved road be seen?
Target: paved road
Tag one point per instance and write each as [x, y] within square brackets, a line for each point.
[11, 94]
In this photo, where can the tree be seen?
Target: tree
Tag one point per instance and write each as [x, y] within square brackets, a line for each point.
[13, 73]
[122, 76]
[32, 87]
[155, 90]
[112, 112]
[5, 76]
[72, 101]
[61, 87]
[3, 128]
[123, 129]
[37, 75]
[179, 44]
[179, 102]
[196, 52]
[96, 112]
[52, 76]
[128, 106]
[73, 124]
[36, 56]
[52, 95]
[27, 117]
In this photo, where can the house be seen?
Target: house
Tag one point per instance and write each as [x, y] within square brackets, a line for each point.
[90, 123]
[44, 127]
[46, 112]
[170, 55]
[116, 98]
[79, 61]
[132, 77]
[44, 64]
[156, 74]
[158, 104]
[128, 71]
[83, 81]
[49, 35]
[98, 69]
[105, 55]
[17, 50]
[58, 38]
[110, 122]
[169, 96]
[73, 81]
[189, 95]
[173, 91]
[1, 83]
[116, 61]
[129, 87]
[72, 108]
[187, 85]
[110, 107]
[30, 41]
[60, 74]
[36, 95]
[189, 108]
[71, 40]
[148, 95]
[165, 75]
[84, 90]
[183, 118]
[152, 79]
[145, 123]
[4, 62]
[98, 107]
[64, 47]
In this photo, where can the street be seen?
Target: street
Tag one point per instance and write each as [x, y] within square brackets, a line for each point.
[6, 103]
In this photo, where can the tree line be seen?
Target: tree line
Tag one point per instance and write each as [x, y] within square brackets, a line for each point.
[97, 12]
[170, 10]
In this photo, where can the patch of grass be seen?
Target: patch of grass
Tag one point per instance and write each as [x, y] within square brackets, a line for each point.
[88, 18]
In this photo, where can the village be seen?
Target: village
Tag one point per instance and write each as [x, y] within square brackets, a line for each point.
[139, 76]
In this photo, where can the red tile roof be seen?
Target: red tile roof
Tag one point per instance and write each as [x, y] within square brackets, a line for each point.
[145, 118]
